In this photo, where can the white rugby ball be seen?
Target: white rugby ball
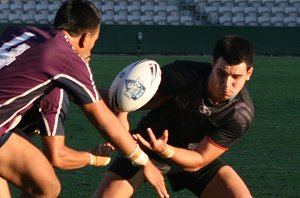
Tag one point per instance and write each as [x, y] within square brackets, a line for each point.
[135, 85]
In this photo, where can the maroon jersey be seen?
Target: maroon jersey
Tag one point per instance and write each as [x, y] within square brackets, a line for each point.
[47, 116]
[33, 62]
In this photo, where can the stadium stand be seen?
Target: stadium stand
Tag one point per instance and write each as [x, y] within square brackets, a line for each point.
[165, 12]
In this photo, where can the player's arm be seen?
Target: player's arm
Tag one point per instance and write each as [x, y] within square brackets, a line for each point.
[61, 156]
[190, 160]
[112, 130]
[64, 157]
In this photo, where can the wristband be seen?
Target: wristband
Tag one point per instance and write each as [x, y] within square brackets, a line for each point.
[168, 152]
[138, 157]
[99, 160]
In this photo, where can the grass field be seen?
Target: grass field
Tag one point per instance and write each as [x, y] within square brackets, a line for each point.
[267, 157]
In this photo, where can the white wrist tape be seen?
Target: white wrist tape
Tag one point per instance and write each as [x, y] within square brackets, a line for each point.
[99, 160]
[168, 152]
[138, 157]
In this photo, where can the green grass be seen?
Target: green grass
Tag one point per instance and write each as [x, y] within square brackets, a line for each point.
[267, 157]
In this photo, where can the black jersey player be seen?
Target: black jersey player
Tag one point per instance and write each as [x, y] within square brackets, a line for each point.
[198, 112]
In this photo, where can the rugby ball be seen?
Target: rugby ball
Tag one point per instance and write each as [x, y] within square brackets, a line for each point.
[135, 85]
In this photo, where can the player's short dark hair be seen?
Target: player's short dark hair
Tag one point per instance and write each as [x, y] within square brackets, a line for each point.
[77, 17]
[234, 50]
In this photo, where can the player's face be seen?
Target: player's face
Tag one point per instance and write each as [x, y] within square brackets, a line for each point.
[227, 80]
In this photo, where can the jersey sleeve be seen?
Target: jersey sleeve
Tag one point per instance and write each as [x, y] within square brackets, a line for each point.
[233, 129]
[77, 80]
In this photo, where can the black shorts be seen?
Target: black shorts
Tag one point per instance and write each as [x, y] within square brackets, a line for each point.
[178, 179]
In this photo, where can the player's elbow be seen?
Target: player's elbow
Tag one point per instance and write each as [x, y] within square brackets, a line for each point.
[57, 161]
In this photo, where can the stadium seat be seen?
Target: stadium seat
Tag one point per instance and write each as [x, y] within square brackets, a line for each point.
[281, 3]
[147, 20]
[51, 18]
[173, 20]
[160, 20]
[160, 10]
[107, 9]
[148, 2]
[214, 3]
[213, 14]
[41, 19]
[42, 9]
[264, 11]
[295, 3]
[147, 10]
[241, 3]
[172, 3]
[120, 19]
[237, 11]
[251, 21]
[120, 9]
[291, 11]
[298, 21]
[278, 11]
[238, 20]
[4, 9]
[268, 3]
[200, 5]
[28, 18]
[53, 7]
[108, 19]
[264, 21]
[250, 11]
[133, 19]
[29, 8]
[224, 11]
[16, 8]
[186, 20]
[227, 3]
[134, 10]
[134, 2]
[172, 10]
[14, 18]
[109, 3]
[290, 21]
[121, 2]
[161, 2]
[225, 20]
[277, 21]
[4, 18]
[255, 3]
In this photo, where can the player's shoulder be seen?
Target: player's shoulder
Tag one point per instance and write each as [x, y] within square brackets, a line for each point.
[244, 108]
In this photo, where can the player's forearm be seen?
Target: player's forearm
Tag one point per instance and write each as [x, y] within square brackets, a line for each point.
[189, 160]
[110, 127]
[68, 159]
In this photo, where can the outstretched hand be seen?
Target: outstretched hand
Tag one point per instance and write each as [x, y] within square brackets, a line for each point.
[155, 144]
[156, 179]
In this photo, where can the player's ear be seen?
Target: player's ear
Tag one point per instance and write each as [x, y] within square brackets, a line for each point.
[83, 39]
[249, 73]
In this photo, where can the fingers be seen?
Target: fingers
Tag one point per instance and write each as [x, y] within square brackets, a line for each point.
[165, 136]
[151, 135]
[142, 141]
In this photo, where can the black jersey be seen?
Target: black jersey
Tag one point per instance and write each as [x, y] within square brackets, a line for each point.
[33, 62]
[189, 116]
